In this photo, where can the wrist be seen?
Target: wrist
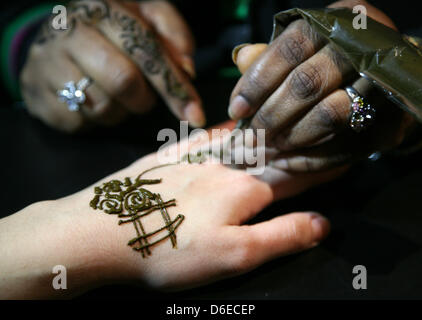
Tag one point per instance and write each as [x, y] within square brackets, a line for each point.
[97, 254]
[48, 234]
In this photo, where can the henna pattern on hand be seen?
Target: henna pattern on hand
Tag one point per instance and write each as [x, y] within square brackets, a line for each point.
[130, 201]
[142, 45]
[139, 42]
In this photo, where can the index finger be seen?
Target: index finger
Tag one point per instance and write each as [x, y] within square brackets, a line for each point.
[295, 45]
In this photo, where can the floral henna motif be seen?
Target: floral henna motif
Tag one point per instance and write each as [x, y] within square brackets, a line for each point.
[130, 201]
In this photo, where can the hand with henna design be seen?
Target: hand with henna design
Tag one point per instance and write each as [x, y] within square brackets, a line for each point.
[213, 240]
[132, 52]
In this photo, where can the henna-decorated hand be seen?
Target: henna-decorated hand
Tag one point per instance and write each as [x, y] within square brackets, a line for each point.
[132, 51]
[213, 241]
[293, 89]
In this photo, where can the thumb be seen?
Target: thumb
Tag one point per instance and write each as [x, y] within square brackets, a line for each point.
[244, 55]
[173, 31]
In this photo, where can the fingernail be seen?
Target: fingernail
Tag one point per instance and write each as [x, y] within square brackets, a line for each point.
[251, 139]
[320, 227]
[239, 108]
[281, 164]
[236, 50]
[189, 66]
[194, 114]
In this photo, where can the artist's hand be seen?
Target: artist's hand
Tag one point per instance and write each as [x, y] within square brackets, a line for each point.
[213, 241]
[293, 88]
[132, 51]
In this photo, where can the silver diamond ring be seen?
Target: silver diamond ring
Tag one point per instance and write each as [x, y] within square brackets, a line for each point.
[362, 114]
[74, 95]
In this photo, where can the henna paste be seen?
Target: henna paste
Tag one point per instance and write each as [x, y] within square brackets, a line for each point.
[142, 45]
[130, 201]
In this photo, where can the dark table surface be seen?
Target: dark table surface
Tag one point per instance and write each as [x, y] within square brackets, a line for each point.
[375, 211]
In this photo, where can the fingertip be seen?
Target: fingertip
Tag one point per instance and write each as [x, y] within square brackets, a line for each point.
[239, 108]
[320, 227]
[236, 50]
[248, 54]
[188, 66]
[194, 114]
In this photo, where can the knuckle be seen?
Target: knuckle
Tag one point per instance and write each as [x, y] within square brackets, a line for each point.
[249, 185]
[338, 59]
[243, 180]
[306, 82]
[297, 234]
[292, 49]
[291, 231]
[254, 83]
[263, 120]
[309, 33]
[298, 42]
[327, 114]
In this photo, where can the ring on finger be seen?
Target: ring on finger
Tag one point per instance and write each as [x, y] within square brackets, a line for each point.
[362, 114]
[74, 94]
